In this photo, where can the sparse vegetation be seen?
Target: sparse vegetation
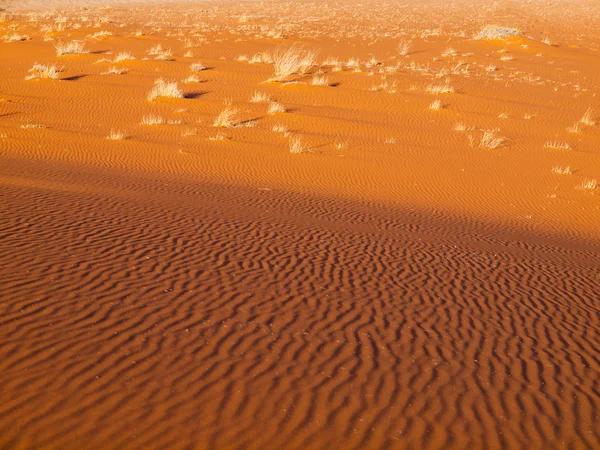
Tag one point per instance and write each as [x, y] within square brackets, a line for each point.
[445, 88]
[557, 145]
[491, 140]
[589, 184]
[275, 108]
[152, 120]
[197, 67]
[494, 32]
[164, 88]
[296, 145]
[436, 105]
[562, 170]
[123, 56]
[319, 80]
[588, 118]
[70, 48]
[116, 135]
[225, 118]
[260, 97]
[404, 47]
[43, 71]
[291, 61]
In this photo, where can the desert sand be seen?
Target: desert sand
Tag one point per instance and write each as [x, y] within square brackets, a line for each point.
[392, 245]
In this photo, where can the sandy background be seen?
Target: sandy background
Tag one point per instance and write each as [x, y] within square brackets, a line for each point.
[399, 285]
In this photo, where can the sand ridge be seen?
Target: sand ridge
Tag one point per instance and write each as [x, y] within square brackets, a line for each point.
[405, 282]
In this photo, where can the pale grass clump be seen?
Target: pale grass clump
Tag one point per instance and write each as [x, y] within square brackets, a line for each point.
[261, 58]
[353, 62]
[70, 48]
[29, 125]
[503, 116]
[116, 135]
[319, 80]
[101, 35]
[589, 184]
[576, 128]
[43, 71]
[404, 47]
[291, 61]
[189, 132]
[445, 88]
[188, 54]
[123, 56]
[218, 137]
[15, 38]
[588, 118]
[197, 67]
[341, 145]
[494, 32]
[225, 118]
[164, 88]
[192, 79]
[436, 105]
[491, 140]
[275, 108]
[557, 145]
[547, 40]
[449, 52]
[152, 120]
[260, 97]
[278, 128]
[461, 126]
[562, 170]
[114, 70]
[296, 145]
[160, 53]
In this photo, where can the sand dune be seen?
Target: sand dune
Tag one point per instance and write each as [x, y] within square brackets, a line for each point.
[400, 285]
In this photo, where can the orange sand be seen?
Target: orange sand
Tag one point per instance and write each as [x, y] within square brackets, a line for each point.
[397, 286]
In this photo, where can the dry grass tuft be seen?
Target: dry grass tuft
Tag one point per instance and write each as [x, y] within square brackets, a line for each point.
[152, 120]
[218, 137]
[296, 145]
[445, 88]
[588, 118]
[404, 47]
[225, 118]
[436, 105]
[557, 145]
[278, 128]
[123, 56]
[197, 67]
[319, 80]
[461, 126]
[42, 71]
[589, 184]
[114, 70]
[70, 48]
[291, 61]
[164, 88]
[275, 108]
[116, 135]
[562, 170]
[260, 97]
[491, 140]
[494, 32]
